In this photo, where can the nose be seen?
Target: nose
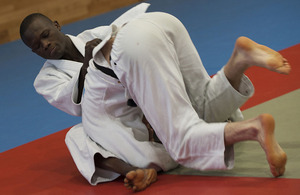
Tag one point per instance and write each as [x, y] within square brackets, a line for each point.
[45, 44]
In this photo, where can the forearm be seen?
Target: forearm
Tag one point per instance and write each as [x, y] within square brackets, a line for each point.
[113, 164]
[81, 79]
[58, 87]
[83, 71]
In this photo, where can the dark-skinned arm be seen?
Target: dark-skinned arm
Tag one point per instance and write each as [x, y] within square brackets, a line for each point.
[88, 56]
[113, 164]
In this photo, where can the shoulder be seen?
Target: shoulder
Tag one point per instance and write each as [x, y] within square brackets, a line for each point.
[91, 34]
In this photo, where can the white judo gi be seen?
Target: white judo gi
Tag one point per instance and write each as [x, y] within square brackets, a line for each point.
[57, 81]
[160, 69]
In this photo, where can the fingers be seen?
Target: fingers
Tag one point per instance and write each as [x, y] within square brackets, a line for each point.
[93, 43]
[149, 127]
[128, 184]
[89, 46]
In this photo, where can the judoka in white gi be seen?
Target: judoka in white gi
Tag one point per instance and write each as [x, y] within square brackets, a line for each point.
[160, 69]
[58, 83]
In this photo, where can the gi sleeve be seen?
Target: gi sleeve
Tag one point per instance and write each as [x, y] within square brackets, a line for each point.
[59, 88]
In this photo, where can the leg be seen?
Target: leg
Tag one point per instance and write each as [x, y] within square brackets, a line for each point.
[214, 99]
[146, 63]
[107, 120]
[136, 179]
[211, 97]
[260, 129]
[248, 53]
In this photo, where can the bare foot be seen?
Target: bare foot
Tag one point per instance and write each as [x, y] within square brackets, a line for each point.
[140, 179]
[254, 54]
[276, 157]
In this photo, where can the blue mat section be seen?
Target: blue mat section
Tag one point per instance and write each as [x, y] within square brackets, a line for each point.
[213, 26]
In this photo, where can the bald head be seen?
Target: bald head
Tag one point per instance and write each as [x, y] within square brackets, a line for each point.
[43, 36]
[28, 20]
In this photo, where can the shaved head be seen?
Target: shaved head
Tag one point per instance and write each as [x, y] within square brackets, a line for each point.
[44, 37]
[28, 20]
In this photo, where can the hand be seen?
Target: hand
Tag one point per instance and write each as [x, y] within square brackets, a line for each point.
[150, 129]
[89, 46]
[106, 49]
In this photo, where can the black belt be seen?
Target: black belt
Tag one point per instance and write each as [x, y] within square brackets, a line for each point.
[107, 71]
[111, 73]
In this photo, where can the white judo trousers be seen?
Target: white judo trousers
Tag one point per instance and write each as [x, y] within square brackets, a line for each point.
[157, 63]
[108, 120]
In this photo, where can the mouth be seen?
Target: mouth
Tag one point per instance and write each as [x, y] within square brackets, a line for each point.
[52, 51]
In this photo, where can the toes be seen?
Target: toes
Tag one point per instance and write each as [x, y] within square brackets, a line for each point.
[131, 175]
[126, 180]
[134, 188]
[279, 171]
[285, 69]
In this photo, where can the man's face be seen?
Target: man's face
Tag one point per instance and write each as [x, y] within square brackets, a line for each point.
[45, 39]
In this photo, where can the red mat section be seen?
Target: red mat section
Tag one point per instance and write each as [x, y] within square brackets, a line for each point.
[45, 166]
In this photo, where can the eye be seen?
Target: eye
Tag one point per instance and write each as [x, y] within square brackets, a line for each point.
[45, 34]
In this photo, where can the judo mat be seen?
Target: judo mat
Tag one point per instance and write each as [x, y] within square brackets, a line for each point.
[35, 160]
[44, 166]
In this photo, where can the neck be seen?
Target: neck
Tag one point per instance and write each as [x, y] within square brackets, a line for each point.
[72, 52]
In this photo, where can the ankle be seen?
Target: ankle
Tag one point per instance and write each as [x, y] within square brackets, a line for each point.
[240, 131]
[234, 76]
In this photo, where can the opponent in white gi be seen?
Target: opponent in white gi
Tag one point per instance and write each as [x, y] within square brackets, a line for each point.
[155, 60]
[58, 83]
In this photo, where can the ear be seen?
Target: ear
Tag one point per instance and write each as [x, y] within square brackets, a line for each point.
[56, 24]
